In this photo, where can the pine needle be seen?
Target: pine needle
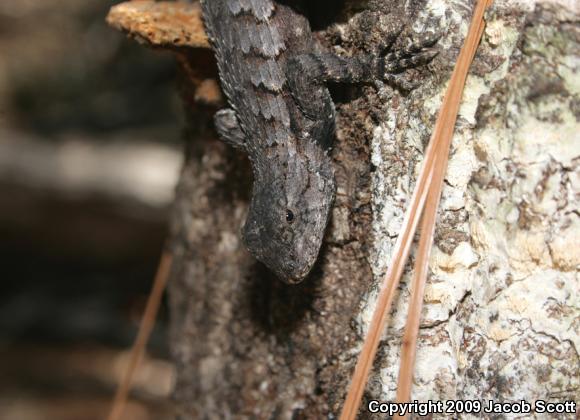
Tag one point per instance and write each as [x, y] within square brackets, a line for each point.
[432, 173]
[409, 345]
[145, 328]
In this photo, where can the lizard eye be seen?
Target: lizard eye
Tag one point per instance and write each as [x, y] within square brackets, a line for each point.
[289, 216]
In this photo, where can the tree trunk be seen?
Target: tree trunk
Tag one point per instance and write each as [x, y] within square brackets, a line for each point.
[501, 315]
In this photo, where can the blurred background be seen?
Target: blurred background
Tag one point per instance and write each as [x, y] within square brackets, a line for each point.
[90, 150]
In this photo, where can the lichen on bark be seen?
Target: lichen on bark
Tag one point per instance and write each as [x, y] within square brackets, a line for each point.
[501, 314]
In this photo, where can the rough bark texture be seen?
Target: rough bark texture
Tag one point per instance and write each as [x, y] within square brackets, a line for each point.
[501, 318]
[501, 314]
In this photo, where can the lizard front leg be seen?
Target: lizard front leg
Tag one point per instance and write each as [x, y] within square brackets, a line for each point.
[228, 128]
[319, 68]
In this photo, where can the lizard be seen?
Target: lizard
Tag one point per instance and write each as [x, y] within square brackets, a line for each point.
[274, 75]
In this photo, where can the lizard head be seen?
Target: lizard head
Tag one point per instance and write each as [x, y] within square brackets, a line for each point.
[288, 215]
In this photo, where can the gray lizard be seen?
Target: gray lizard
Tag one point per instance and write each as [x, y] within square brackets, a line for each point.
[273, 74]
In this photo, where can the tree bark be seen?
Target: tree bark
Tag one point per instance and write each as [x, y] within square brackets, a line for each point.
[501, 315]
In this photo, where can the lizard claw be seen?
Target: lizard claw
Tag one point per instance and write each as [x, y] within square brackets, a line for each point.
[395, 63]
[400, 82]
[415, 54]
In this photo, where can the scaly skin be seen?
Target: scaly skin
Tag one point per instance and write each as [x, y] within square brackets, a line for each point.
[282, 115]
